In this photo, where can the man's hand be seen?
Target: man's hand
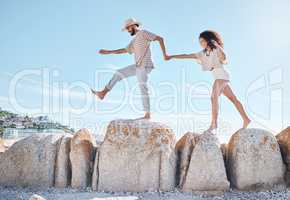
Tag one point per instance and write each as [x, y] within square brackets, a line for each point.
[103, 51]
[162, 46]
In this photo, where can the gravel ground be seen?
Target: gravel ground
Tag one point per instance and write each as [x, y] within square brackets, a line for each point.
[17, 193]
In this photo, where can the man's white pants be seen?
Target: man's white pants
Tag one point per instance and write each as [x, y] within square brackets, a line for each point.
[142, 76]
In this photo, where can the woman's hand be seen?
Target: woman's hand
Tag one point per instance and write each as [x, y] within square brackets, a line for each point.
[103, 51]
[215, 43]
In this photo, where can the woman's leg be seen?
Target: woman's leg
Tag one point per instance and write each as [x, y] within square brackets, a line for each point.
[232, 97]
[217, 89]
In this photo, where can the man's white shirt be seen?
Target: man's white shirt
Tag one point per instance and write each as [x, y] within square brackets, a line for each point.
[140, 46]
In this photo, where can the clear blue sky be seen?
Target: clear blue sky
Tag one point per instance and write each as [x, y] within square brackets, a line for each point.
[63, 36]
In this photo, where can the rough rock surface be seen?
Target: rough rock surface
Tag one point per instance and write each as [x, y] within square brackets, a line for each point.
[30, 161]
[95, 176]
[63, 165]
[136, 156]
[183, 148]
[201, 165]
[254, 160]
[283, 139]
[82, 158]
[224, 150]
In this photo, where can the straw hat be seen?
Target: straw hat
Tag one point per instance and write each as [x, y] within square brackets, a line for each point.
[129, 22]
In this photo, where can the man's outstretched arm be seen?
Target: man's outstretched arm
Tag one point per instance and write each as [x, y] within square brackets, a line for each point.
[162, 45]
[117, 51]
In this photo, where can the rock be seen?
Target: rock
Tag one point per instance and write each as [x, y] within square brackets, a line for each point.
[183, 148]
[223, 148]
[254, 160]
[30, 161]
[63, 165]
[283, 139]
[36, 197]
[81, 157]
[95, 177]
[201, 165]
[137, 156]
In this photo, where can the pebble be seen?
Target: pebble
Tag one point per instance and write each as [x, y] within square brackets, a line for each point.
[24, 193]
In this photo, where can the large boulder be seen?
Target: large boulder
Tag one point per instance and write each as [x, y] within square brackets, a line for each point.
[283, 139]
[201, 165]
[30, 161]
[136, 156]
[82, 149]
[63, 165]
[254, 160]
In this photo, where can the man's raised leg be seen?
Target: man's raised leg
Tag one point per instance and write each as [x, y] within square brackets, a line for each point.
[119, 75]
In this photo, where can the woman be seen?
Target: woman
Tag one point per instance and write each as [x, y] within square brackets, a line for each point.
[212, 58]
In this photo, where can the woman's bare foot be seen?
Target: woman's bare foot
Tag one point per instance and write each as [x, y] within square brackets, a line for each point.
[212, 127]
[246, 123]
[100, 94]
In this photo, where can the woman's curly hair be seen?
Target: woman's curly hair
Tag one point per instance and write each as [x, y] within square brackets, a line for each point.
[209, 35]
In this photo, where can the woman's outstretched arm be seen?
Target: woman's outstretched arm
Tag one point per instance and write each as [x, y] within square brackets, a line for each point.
[182, 56]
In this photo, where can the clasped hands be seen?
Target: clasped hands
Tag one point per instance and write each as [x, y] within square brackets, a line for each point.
[167, 57]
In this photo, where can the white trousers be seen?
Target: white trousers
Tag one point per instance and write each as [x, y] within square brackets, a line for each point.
[142, 76]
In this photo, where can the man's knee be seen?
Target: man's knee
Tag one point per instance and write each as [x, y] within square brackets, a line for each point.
[118, 76]
[144, 89]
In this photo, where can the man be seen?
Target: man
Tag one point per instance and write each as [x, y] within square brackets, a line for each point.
[140, 47]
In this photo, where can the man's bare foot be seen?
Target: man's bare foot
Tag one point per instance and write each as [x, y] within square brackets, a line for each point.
[146, 116]
[246, 123]
[100, 94]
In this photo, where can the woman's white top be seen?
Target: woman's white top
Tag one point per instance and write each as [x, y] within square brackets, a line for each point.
[212, 63]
